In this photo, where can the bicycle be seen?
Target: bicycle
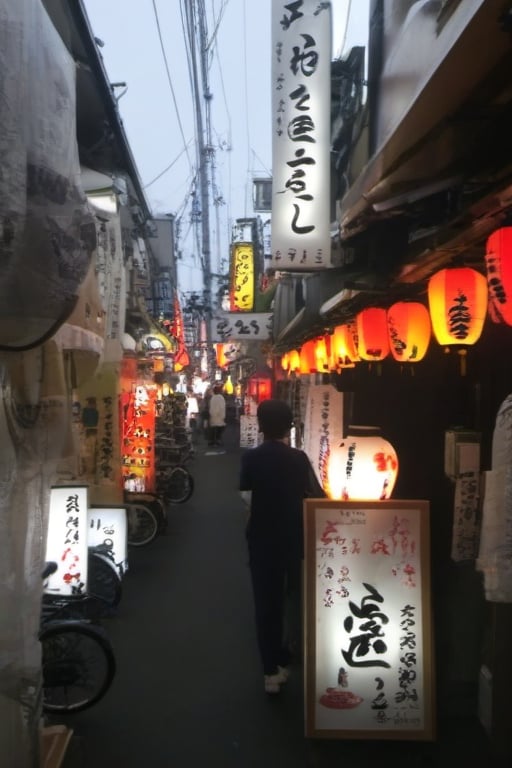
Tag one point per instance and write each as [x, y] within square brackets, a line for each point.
[104, 576]
[78, 662]
[146, 517]
[174, 482]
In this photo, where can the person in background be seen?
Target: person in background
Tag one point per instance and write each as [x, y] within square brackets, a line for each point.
[274, 481]
[204, 414]
[192, 414]
[217, 416]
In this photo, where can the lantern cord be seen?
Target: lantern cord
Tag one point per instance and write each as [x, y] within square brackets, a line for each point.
[463, 361]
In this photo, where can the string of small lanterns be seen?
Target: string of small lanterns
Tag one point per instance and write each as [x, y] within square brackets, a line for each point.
[459, 300]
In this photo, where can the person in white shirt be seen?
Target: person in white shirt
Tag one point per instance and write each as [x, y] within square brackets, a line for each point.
[192, 414]
[217, 416]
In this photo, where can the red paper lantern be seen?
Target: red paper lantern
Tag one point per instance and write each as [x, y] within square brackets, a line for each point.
[498, 262]
[458, 305]
[344, 346]
[372, 334]
[409, 331]
[259, 388]
[220, 355]
[294, 365]
[322, 354]
[308, 357]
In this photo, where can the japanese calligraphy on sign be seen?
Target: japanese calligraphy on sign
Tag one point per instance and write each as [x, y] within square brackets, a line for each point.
[107, 529]
[230, 326]
[66, 540]
[249, 431]
[323, 426]
[301, 103]
[242, 277]
[368, 628]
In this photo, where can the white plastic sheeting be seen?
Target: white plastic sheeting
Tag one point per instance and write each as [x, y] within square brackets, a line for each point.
[495, 556]
[47, 233]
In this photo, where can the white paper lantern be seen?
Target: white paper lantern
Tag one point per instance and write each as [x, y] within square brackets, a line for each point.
[363, 467]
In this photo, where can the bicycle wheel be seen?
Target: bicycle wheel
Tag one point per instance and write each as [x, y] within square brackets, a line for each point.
[143, 524]
[103, 580]
[78, 665]
[155, 504]
[178, 486]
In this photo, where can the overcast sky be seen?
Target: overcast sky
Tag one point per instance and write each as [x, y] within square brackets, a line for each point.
[157, 109]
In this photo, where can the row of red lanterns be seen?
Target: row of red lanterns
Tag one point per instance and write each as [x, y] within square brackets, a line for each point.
[458, 298]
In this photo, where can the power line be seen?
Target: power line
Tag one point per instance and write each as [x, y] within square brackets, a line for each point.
[168, 167]
[155, 10]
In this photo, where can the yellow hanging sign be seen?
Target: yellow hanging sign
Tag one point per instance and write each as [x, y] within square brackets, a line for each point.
[242, 277]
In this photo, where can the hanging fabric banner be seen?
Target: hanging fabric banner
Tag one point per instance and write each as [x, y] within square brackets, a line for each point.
[181, 358]
[301, 115]
[323, 426]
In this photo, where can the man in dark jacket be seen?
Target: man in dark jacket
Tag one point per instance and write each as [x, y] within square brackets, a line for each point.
[278, 478]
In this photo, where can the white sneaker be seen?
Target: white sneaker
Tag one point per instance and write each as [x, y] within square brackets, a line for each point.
[273, 682]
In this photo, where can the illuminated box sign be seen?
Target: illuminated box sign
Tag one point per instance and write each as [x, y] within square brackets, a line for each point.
[252, 326]
[249, 431]
[107, 528]
[242, 277]
[368, 661]
[301, 115]
[66, 540]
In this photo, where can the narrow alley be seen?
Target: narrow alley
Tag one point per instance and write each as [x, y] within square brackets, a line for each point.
[189, 690]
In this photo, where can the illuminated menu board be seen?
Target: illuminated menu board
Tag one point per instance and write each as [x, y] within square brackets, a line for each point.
[107, 529]
[368, 646]
[66, 540]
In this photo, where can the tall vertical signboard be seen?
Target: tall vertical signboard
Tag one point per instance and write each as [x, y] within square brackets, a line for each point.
[301, 120]
[368, 661]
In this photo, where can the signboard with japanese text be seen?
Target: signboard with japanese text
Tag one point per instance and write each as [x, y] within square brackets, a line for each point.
[368, 647]
[229, 326]
[301, 126]
[323, 427]
[66, 540]
[242, 277]
[249, 431]
[107, 529]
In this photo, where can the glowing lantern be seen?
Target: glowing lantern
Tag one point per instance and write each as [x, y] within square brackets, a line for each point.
[285, 361]
[409, 331]
[363, 467]
[308, 357]
[372, 334]
[228, 386]
[220, 355]
[259, 388]
[458, 300]
[498, 261]
[344, 347]
[322, 356]
[294, 361]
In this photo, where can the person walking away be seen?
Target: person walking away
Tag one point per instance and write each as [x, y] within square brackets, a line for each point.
[217, 416]
[205, 414]
[278, 479]
[192, 414]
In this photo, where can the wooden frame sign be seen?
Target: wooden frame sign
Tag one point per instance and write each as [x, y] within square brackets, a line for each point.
[369, 670]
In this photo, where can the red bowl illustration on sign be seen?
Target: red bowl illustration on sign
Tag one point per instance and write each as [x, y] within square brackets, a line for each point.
[336, 699]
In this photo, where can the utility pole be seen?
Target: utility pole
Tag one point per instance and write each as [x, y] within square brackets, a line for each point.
[204, 149]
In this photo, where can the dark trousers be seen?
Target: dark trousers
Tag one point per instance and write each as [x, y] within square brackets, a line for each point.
[276, 591]
[216, 434]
